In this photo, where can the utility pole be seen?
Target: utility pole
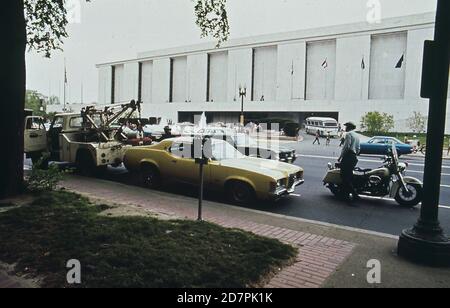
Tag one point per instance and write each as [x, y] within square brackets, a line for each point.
[426, 242]
[202, 160]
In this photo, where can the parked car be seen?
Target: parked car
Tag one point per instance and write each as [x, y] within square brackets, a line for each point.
[249, 146]
[380, 145]
[242, 178]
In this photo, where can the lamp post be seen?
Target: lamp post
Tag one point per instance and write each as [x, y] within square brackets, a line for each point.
[242, 95]
[426, 242]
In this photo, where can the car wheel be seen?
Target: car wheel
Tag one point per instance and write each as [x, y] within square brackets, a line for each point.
[240, 193]
[409, 198]
[151, 177]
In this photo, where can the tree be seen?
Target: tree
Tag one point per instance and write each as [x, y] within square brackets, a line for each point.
[36, 102]
[41, 25]
[417, 122]
[376, 122]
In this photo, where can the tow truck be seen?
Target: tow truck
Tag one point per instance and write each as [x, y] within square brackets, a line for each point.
[92, 139]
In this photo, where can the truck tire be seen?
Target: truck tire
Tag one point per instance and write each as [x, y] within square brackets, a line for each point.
[85, 163]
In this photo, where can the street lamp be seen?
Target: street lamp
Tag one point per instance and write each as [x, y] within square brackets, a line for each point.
[426, 242]
[242, 94]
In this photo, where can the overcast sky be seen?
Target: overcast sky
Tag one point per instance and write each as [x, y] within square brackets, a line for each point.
[118, 29]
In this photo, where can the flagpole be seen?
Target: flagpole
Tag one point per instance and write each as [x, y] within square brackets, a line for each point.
[292, 81]
[65, 82]
[363, 67]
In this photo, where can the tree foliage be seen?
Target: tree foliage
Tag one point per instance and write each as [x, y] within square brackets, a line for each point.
[47, 21]
[212, 19]
[417, 122]
[46, 25]
[36, 102]
[376, 122]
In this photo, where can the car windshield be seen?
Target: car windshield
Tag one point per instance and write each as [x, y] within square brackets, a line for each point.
[223, 150]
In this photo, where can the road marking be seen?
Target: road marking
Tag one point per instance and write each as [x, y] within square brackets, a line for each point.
[393, 200]
[295, 195]
[421, 172]
[368, 161]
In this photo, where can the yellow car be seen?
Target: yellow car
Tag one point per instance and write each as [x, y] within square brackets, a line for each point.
[242, 178]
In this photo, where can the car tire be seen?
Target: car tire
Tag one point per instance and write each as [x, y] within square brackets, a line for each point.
[240, 193]
[403, 199]
[151, 177]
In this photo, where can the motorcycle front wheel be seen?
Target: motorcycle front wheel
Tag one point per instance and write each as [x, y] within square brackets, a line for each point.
[409, 198]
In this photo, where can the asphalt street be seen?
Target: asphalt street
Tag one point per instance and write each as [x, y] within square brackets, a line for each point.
[313, 201]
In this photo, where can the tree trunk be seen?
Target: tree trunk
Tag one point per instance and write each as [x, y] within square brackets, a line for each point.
[12, 85]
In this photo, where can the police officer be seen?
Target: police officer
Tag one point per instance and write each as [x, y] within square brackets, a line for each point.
[349, 160]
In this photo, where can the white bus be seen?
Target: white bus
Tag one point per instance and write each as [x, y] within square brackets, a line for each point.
[323, 125]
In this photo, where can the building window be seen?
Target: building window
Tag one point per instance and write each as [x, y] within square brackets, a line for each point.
[320, 70]
[117, 94]
[217, 77]
[146, 81]
[265, 73]
[178, 77]
[387, 66]
[113, 83]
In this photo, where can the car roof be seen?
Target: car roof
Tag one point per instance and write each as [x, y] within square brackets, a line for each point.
[320, 119]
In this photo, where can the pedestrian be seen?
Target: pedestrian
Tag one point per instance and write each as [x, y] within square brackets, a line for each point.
[342, 139]
[349, 160]
[328, 139]
[317, 138]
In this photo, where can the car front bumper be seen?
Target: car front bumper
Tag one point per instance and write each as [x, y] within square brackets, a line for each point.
[284, 191]
[289, 159]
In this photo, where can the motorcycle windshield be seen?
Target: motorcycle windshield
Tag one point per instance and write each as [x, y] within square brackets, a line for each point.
[394, 153]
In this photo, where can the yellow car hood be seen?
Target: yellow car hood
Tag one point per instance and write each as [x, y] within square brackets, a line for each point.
[275, 169]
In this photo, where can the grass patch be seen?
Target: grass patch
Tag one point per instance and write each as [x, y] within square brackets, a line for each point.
[131, 251]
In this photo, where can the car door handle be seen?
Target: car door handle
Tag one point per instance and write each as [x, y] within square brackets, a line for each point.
[34, 135]
[174, 161]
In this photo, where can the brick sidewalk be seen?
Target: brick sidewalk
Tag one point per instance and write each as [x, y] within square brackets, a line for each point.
[318, 257]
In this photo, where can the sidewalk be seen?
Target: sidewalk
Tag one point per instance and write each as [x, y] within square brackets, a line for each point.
[329, 255]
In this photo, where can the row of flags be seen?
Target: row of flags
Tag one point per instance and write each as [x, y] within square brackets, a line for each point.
[363, 63]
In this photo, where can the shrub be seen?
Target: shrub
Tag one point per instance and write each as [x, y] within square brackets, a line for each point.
[376, 122]
[417, 123]
[43, 178]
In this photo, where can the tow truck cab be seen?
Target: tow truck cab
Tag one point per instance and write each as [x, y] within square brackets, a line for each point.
[35, 135]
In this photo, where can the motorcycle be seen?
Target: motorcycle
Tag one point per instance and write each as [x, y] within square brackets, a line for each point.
[388, 180]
